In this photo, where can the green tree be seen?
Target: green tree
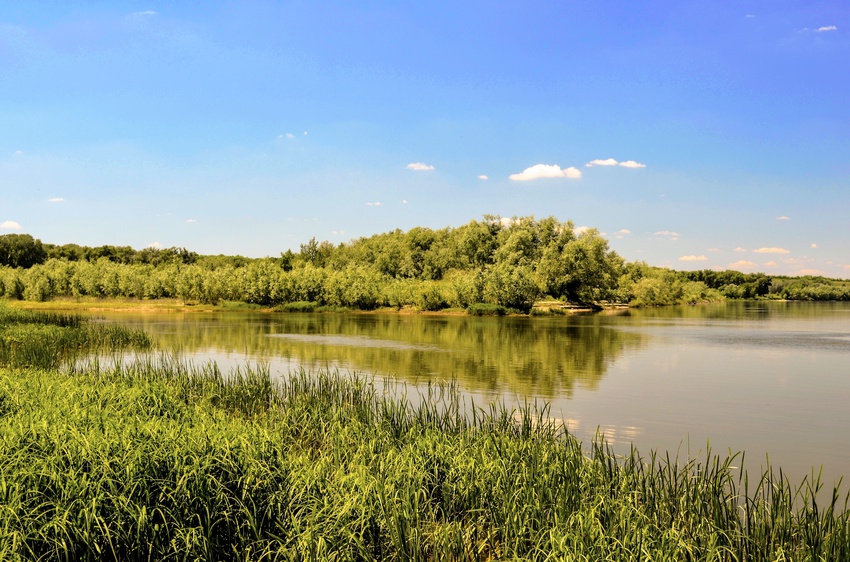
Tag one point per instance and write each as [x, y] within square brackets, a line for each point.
[21, 250]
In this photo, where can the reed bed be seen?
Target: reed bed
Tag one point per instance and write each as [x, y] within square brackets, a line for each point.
[159, 459]
[48, 339]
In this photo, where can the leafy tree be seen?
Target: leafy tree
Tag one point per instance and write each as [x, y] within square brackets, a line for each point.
[21, 250]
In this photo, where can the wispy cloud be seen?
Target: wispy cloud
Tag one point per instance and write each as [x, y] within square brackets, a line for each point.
[191, 221]
[539, 171]
[813, 246]
[827, 28]
[483, 177]
[810, 271]
[419, 166]
[714, 249]
[10, 225]
[740, 249]
[772, 251]
[56, 200]
[375, 204]
[622, 233]
[751, 16]
[145, 14]
[668, 233]
[18, 153]
[613, 162]
[693, 258]
[290, 136]
[783, 218]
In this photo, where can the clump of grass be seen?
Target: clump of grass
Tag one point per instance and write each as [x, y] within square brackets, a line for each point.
[486, 309]
[160, 459]
[45, 340]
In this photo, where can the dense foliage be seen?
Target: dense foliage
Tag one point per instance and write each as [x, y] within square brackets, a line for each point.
[507, 263]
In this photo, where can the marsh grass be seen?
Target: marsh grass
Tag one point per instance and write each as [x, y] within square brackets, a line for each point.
[158, 459]
[46, 340]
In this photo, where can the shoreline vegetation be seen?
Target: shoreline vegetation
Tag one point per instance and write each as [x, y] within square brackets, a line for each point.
[104, 459]
[494, 266]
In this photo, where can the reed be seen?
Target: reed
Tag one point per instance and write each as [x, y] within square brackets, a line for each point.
[157, 458]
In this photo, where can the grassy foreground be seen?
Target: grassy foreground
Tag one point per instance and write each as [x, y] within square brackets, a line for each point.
[158, 459]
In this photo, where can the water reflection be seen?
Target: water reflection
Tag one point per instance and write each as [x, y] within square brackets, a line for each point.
[545, 357]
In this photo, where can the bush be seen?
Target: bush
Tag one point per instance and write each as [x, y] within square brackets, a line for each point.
[486, 309]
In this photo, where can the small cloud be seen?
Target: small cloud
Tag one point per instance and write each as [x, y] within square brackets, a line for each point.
[146, 13]
[750, 16]
[337, 232]
[742, 264]
[10, 225]
[305, 133]
[154, 245]
[483, 177]
[621, 233]
[668, 233]
[772, 251]
[18, 153]
[507, 222]
[770, 263]
[783, 218]
[419, 167]
[375, 204]
[56, 200]
[827, 28]
[846, 267]
[546, 171]
[613, 162]
[579, 230]
[693, 258]
[599, 162]
[404, 201]
[192, 220]
[714, 249]
[740, 249]
[813, 246]
[810, 272]
[290, 136]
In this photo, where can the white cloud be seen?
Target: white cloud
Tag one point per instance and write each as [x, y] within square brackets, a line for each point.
[669, 233]
[783, 218]
[145, 13]
[693, 258]
[18, 153]
[772, 251]
[305, 133]
[714, 249]
[10, 225]
[546, 171]
[770, 263]
[56, 200]
[599, 162]
[419, 166]
[613, 162]
[742, 264]
[290, 136]
[827, 28]
[740, 249]
[404, 201]
[579, 230]
[483, 177]
[751, 15]
[810, 272]
[375, 204]
[337, 232]
[154, 245]
[813, 246]
[621, 233]
[191, 220]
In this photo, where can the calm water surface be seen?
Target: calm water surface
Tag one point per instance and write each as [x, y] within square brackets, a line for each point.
[768, 378]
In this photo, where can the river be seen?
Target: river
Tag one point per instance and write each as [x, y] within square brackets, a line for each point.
[768, 378]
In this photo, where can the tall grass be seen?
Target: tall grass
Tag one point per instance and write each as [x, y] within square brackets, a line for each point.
[47, 339]
[160, 459]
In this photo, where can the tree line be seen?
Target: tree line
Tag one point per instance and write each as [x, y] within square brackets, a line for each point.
[509, 263]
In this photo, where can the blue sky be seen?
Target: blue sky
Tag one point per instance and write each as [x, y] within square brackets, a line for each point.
[692, 134]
